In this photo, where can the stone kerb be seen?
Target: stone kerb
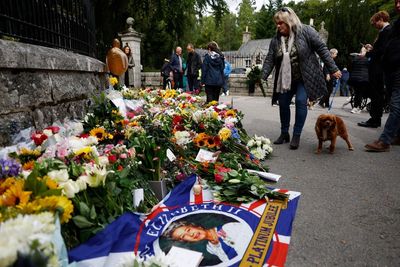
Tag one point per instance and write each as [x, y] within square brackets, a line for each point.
[40, 85]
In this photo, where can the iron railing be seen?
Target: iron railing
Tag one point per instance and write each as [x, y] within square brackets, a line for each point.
[65, 24]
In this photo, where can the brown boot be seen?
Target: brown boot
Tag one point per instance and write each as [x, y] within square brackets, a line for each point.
[377, 146]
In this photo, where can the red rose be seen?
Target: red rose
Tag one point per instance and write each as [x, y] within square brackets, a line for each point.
[38, 138]
[84, 135]
[177, 119]
[112, 158]
[120, 168]
[219, 178]
[54, 129]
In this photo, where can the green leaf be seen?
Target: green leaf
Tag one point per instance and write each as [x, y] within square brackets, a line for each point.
[81, 221]
[51, 192]
[228, 192]
[233, 173]
[93, 213]
[84, 209]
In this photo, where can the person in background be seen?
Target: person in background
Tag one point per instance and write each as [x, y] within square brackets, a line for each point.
[380, 21]
[227, 72]
[166, 72]
[330, 82]
[359, 78]
[391, 67]
[292, 53]
[177, 67]
[212, 72]
[344, 87]
[193, 66]
[131, 63]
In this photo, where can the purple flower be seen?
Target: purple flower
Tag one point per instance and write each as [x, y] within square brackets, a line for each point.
[9, 168]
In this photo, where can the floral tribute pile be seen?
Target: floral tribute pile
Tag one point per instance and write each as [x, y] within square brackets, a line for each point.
[85, 171]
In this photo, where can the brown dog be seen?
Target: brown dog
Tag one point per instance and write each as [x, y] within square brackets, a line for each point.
[328, 127]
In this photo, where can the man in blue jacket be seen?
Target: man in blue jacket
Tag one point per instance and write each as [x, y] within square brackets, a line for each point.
[177, 67]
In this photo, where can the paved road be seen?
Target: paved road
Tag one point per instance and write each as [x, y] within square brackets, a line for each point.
[349, 211]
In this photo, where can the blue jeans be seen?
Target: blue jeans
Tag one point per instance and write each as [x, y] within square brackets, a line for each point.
[301, 108]
[392, 126]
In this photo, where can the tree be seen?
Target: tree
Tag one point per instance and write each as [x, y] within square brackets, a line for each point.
[246, 16]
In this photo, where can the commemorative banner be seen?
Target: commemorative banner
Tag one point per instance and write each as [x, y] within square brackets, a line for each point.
[251, 234]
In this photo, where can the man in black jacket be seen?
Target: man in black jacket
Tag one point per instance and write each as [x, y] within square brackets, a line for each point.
[193, 66]
[391, 65]
[380, 21]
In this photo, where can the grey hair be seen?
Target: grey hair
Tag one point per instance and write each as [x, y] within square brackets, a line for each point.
[173, 226]
[288, 16]
[334, 51]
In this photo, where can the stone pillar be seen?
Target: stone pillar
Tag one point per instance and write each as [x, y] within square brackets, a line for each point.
[324, 33]
[133, 39]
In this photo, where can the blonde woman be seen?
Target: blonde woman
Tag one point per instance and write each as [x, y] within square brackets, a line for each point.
[293, 52]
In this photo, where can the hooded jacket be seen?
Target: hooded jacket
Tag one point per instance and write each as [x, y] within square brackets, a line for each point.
[212, 70]
[308, 44]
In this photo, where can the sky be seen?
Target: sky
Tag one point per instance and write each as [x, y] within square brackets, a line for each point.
[233, 4]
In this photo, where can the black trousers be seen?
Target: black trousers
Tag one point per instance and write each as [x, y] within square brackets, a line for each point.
[377, 95]
[212, 92]
[193, 82]
[178, 80]
[325, 99]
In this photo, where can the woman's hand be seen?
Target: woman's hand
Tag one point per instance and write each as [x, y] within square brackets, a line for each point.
[337, 74]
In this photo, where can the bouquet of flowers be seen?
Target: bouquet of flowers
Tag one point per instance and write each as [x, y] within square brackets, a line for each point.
[260, 147]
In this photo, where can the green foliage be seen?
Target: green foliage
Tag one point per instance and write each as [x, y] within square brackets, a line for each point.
[246, 15]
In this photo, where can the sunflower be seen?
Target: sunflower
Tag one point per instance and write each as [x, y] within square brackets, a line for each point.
[6, 184]
[230, 113]
[210, 142]
[29, 152]
[28, 165]
[59, 204]
[100, 133]
[15, 195]
[201, 140]
[212, 103]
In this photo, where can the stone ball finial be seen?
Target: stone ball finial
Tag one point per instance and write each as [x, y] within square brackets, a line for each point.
[130, 21]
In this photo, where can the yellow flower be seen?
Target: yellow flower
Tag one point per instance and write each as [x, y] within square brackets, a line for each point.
[50, 183]
[212, 103]
[28, 165]
[230, 113]
[100, 133]
[215, 115]
[15, 195]
[224, 133]
[113, 81]
[6, 184]
[52, 203]
[83, 151]
[29, 152]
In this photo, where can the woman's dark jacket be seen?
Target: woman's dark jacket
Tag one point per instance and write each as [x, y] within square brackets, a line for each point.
[308, 43]
[212, 70]
[359, 71]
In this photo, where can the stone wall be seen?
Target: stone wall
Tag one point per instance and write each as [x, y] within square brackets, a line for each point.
[39, 85]
[237, 83]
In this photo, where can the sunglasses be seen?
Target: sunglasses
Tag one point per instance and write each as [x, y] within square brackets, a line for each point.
[284, 9]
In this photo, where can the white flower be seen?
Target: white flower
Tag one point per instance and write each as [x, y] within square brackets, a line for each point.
[17, 235]
[70, 188]
[95, 175]
[103, 161]
[81, 183]
[182, 138]
[258, 142]
[230, 120]
[197, 115]
[48, 132]
[258, 152]
[250, 143]
[60, 176]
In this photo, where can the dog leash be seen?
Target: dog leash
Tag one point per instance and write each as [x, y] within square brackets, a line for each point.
[334, 93]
